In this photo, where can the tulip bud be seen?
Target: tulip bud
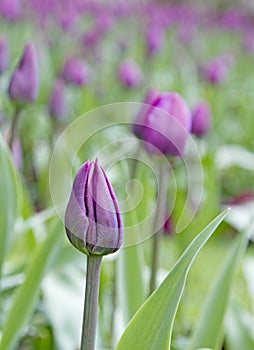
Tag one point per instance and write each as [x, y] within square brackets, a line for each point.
[4, 55]
[93, 220]
[201, 119]
[164, 126]
[130, 74]
[76, 72]
[57, 103]
[11, 9]
[24, 83]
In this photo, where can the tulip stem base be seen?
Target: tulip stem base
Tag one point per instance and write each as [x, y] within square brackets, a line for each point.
[158, 222]
[91, 302]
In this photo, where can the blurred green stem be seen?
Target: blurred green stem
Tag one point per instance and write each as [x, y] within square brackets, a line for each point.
[14, 127]
[91, 302]
[158, 222]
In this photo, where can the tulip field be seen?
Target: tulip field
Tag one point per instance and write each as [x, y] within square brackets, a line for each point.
[126, 175]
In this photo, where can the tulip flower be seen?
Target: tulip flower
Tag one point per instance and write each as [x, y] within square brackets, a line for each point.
[93, 220]
[57, 103]
[130, 74]
[201, 119]
[4, 54]
[11, 9]
[164, 125]
[24, 83]
[76, 72]
[94, 226]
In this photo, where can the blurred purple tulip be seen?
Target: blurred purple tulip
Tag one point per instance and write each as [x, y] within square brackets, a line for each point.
[24, 83]
[57, 102]
[201, 119]
[130, 74]
[164, 125]
[76, 72]
[4, 54]
[155, 39]
[11, 9]
[93, 220]
[216, 71]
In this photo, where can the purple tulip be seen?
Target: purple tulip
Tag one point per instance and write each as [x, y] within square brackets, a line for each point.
[130, 74]
[138, 126]
[93, 220]
[76, 72]
[216, 71]
[164, 125]
[201, 119]
[4, 54]
[57, 102]
[10, 9]
[155, 39]
[24, 83]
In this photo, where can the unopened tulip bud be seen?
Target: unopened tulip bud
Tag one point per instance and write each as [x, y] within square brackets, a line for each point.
[93, 220]
[201, 119]
[24, 82]
[130, 74]
[76, 72]
[165, 125]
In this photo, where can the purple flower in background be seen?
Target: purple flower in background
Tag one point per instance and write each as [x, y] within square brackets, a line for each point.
[216, 71]
[76, 72]
[138, 126]
[201, 119]
[130, 74]
[57, 101]
[10, 9]
[164, 125]
[4, 54]
[155, 39]
[24, 84]
[93, 220]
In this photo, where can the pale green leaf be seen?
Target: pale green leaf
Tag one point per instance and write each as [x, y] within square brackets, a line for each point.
[210, 331]
[9, 198]
[151, 327]
[26, 297]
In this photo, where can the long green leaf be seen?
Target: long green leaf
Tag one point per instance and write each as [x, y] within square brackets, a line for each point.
[151, 327]
[9, 198]
[210, 330]
[26, 297]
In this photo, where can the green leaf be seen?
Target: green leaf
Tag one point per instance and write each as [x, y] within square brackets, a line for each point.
[9, 199]
[26, 297]
[151, 327]
[210, 330]
[239, 328]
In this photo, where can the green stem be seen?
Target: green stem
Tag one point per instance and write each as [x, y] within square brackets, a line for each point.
[158, 220]
[91, 302]
[14, 127]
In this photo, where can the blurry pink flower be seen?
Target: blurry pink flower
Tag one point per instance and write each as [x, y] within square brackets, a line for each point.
[201, 119]
[216, 71]
[10, 9]
[130, 74]
[24, 84]
[76, 72]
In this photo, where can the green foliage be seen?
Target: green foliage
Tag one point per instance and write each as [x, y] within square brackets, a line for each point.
[152, 325]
